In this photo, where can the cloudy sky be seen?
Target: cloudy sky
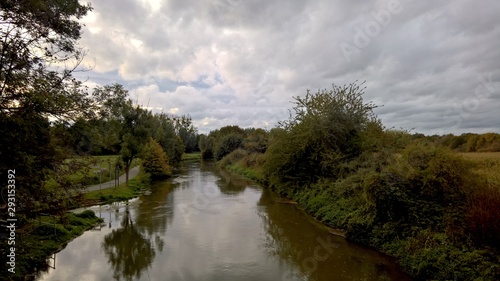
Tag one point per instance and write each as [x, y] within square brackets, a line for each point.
[432, 66]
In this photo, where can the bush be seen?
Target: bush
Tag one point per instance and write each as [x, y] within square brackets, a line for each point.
[155, 161]
[227, 144]
[233, 157]
[87, 214]
[483, 219]
[57, 232]
[426, 187]
[324, 132]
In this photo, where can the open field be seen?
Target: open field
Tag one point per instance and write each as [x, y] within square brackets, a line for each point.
[486, 164]
[191, 156]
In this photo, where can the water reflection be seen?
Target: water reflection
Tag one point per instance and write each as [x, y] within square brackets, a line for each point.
[314, 253]
[228, 183]
[128, 251]
[206, 224]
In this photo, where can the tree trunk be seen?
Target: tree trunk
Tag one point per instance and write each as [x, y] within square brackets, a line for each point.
[127, 169]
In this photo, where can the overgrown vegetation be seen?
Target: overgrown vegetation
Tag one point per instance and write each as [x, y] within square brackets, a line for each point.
[42, 236]
[120, 193]
[155, 161]
[408, 195]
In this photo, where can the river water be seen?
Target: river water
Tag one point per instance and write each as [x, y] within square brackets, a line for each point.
[207, 224]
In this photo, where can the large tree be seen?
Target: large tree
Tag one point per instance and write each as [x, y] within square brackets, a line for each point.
[38, 53]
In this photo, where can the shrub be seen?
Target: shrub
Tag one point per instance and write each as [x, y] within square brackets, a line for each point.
[227, 144]
[233, 157]
[324, 132]
[483, 219]
[425, 188]
[87, 214]
[155, 161]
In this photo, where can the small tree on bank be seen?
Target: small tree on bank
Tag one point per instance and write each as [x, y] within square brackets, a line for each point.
[155, 160]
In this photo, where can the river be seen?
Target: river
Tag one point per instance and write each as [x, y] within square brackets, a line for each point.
[207, 224]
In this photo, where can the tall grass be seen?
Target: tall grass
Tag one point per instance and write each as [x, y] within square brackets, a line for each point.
[486, 165]
[483, 219]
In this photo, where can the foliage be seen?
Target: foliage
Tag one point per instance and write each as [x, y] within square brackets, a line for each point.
[185, 129]
[163, 131]
[221, 142]
[322, 133]
[44, 236]
[483, 221]
[206, 145]
[406, 194]
[37, 38]
[155, 160]
[488, 142]
[256, 141]
[227, 144]
[26, 148]
[486, 165]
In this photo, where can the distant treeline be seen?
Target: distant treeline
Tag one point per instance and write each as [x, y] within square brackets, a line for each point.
[488, 142]
[409, 195]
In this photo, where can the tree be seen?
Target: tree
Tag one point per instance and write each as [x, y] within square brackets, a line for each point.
[37, 42]
[227, 144]
[155, 160]
[186, 131]
[163, 131]
[323, 132]
[126, 126]
[133, 134]
[206, 145]
[256, 141]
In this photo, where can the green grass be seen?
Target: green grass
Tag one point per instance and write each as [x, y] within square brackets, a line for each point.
[251, 173]
[121, 192]
[191, 156]
[95, 163]
[45, 235]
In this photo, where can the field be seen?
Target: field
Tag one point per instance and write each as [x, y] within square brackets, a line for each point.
[120, 193]
[89, 172]
[191, 156]
[486, 164]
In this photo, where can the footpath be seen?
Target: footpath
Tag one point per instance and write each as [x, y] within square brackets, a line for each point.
[110, 184]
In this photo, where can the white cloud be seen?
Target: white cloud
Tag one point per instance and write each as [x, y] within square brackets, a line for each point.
[240, 62]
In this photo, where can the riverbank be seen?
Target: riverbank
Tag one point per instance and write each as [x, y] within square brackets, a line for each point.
[121, 193]
[247, 235]
[45, 235]
[423, 236]
[37, 239]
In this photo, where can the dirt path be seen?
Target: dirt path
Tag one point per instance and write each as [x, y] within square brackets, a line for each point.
[109, 184]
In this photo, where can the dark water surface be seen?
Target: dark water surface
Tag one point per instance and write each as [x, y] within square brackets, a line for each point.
[207, 224]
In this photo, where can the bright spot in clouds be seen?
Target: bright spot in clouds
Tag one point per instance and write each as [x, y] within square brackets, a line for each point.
[432, 65]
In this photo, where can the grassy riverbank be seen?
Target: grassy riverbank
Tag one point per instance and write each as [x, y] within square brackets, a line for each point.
[191, 156]
[120, 193]
[438, 217]
[38, 238]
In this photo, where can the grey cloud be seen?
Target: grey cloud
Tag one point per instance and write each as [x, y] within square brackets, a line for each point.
[241, 62]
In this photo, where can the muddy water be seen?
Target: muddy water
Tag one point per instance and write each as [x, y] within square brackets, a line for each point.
[207, 224]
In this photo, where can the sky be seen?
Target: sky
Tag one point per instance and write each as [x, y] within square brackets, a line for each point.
[432, 67]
